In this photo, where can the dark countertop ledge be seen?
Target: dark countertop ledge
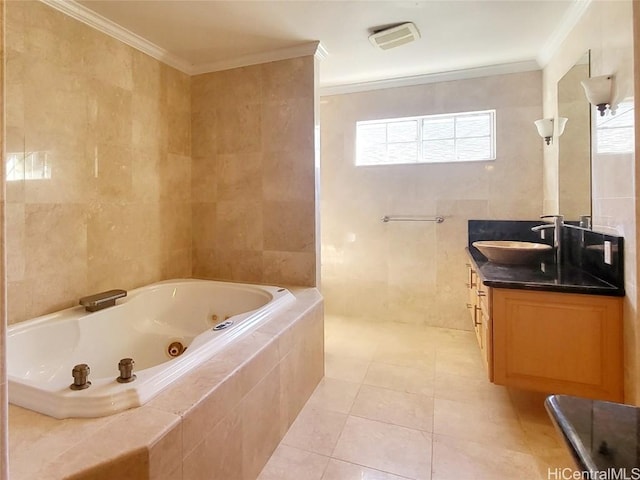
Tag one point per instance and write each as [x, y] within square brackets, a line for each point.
[541, 277]
[601, 436]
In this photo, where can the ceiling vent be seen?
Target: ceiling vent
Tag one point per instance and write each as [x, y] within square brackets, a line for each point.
[394, 36]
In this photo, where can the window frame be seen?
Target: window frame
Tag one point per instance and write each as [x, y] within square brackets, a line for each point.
[420, 140]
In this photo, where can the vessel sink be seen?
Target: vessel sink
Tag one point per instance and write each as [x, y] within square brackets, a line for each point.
[511, 252]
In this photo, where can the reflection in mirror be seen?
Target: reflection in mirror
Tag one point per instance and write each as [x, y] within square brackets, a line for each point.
[614, 133]
[27, 166]
[574, 155]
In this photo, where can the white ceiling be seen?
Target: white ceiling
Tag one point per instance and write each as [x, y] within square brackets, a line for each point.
[456, 34]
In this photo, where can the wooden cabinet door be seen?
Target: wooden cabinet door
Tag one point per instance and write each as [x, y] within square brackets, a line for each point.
[558, 342]
[472, 279]
[486, 331]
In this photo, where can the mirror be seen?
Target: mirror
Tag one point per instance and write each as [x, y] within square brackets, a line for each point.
[574, 146]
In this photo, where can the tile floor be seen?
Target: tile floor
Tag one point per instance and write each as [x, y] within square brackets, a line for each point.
[407, 402]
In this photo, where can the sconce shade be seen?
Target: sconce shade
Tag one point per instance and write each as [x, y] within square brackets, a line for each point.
[545, 128]
[598, 91]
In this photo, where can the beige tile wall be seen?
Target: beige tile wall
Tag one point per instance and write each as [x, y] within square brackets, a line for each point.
[607, 30]
[4, 442]
[114, 127]
[414, 272]
[253, 173]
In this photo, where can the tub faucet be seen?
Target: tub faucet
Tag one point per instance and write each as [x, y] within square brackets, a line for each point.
[558, 223]
[101, 300]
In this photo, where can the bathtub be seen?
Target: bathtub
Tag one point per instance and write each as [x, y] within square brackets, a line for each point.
[152, 325]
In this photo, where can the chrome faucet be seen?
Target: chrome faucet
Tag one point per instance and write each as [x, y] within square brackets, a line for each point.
[558, 223]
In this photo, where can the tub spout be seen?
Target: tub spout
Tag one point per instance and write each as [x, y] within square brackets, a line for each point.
[101, 300]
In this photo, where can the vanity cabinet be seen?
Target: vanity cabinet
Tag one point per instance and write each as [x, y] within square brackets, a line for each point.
[549, 341]
[479, 306]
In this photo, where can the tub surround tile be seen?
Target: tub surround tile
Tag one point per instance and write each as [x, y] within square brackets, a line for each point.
[237, 265]
[259, 364]
[116, 138]
[220, 454]
[302, 367]
[165, 455]
[32, 435]
[124, 439]
[233, 123]
[212, 423]
[270, 238]
[261, 417]
[286, 80]
[289, 226]
[203, 219]
[203, 401]
[284, 178]
[289, 268]
[204, 186]
[238, 176]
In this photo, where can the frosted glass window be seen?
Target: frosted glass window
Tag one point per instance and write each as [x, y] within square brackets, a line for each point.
[457, 137]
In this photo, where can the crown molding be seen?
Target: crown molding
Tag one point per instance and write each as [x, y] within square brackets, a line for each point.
[304, 49]
[569, 20]
[104, 25]
[92, 19]
[502, 69]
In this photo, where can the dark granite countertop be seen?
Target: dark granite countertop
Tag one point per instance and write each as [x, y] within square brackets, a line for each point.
[544, 277]
[601, 436]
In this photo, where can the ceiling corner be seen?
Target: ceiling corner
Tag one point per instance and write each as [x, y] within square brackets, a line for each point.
[81, 13]
[301, 50]
[568, 22]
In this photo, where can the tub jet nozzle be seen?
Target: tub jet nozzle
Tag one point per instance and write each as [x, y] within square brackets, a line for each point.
[80, 377]
[126, 371]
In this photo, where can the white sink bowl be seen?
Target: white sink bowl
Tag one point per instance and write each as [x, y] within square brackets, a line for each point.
[511, 252]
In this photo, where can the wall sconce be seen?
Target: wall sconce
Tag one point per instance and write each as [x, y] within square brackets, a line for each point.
[598, 91]
[545, 128]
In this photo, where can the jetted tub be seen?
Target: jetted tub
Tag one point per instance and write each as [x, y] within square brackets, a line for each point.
[149, 326]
